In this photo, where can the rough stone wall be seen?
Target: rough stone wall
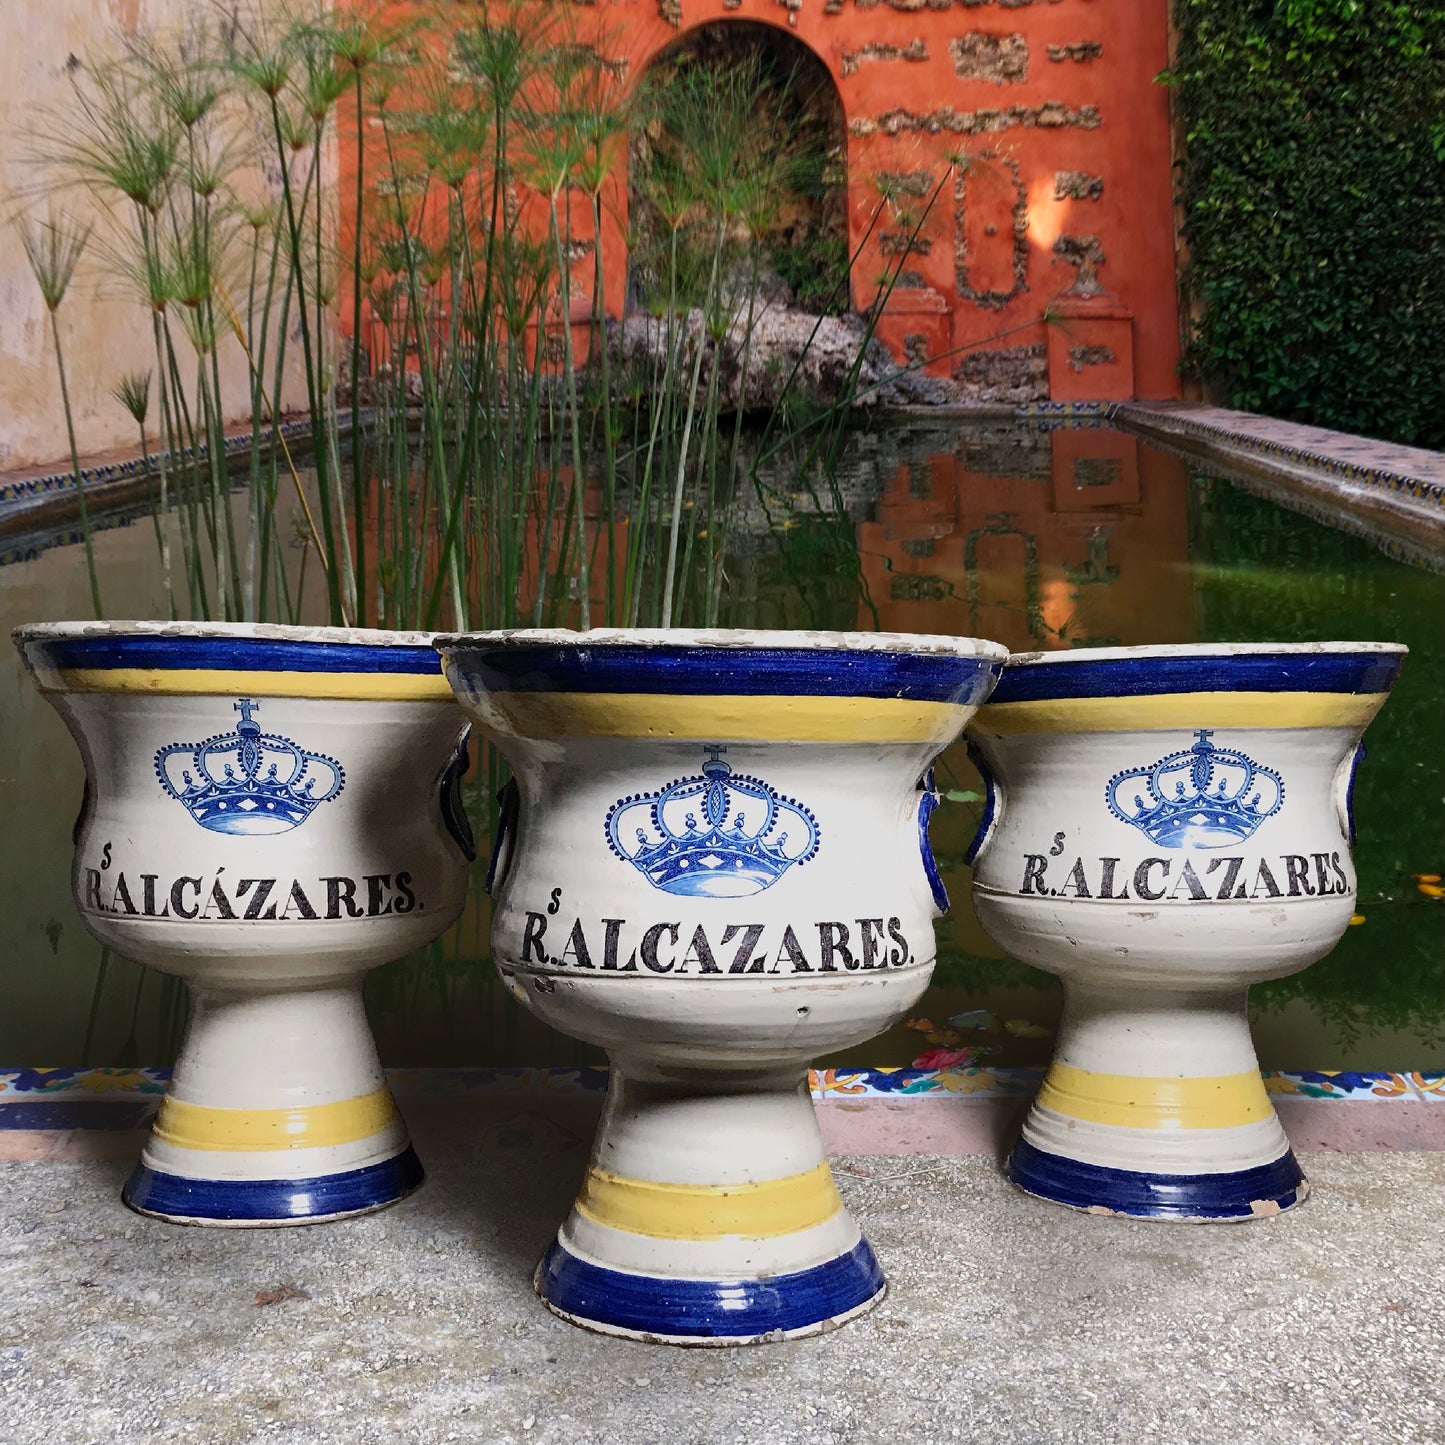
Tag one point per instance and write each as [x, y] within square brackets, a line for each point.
[979, 55]
[105, 333]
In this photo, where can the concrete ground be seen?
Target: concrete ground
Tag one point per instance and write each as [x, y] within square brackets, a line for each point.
[1008, 1320]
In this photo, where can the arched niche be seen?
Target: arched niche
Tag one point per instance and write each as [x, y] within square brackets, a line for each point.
[797, 111]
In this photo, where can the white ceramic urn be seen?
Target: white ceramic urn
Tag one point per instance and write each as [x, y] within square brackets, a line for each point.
[269, 812]
[716, 868]
[1165, 826]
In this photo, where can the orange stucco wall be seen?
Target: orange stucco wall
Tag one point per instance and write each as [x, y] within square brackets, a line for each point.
[1060, 194]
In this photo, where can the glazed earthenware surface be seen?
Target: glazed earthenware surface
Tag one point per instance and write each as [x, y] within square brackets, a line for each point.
[715, 864]
[268, 814]
[1164, 828]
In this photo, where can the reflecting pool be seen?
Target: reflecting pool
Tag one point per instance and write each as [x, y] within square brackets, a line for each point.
[1075, 537]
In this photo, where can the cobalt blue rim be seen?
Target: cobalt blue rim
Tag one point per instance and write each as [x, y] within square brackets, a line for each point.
[238, 1201]
[1078, 677]
[229, 654]
[739, 671]
[705, 1308]
[1233, 1195]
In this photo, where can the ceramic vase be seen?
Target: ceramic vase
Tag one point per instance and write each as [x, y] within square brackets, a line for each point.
[716, 867]
[1165, 826]
[269, 812]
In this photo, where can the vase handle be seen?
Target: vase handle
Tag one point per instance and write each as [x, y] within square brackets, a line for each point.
[992, 803]
[454, 812]
[1345, 791]
[928, 801]
[509, 806]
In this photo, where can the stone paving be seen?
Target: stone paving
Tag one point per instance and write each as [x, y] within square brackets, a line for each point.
[1007, 1320]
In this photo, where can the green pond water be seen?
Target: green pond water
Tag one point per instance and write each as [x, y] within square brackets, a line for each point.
[1070, 538]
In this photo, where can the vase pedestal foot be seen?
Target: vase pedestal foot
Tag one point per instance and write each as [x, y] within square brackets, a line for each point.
[277, 1114]
[709, 1217]
[1116, 1129]
[263, 1203]
[670, 1309]
[1207, 1198]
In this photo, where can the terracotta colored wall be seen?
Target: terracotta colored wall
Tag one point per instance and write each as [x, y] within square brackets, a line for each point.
[1066, 147]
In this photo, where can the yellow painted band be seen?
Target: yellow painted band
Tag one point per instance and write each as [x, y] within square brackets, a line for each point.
[1181, 710]
[327, 686]
[750, 719]
[194, 1126]
[710, 1211]
[1214, 1102]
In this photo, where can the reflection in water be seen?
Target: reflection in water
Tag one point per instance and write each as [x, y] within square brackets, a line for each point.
[1072, 538]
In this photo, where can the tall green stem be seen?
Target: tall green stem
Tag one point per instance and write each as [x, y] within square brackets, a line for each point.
[75, 469]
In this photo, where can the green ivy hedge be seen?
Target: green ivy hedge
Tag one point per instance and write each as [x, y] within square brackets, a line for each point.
[1314, 202]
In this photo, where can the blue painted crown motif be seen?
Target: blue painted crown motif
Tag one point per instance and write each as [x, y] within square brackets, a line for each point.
[717, 834]
[1200, 797]
[248, 781]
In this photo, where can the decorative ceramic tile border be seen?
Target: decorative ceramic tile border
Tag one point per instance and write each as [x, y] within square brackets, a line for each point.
[1003, 1082]
[123, 1098]
[29, 1085]
[1048, 416]
[14, 493]
[1308, 448]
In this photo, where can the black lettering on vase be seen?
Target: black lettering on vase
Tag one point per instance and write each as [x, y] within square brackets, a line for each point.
[341, 893]
[1106, 879]
[1189, 879]
[122, 902]
[650, 941]
[148, 897]
[532, 931]
[575, 950]
[298, 900]
[405, 897]
[262, 887]
[612, 933]
[1231, 868]
[1263, 877]
[743, 960]
[1143, 887]
[899, 954]
[699, 951]
[377, 903]
[871, 942]
[793, 951]
[178, 894]
[217, 904]
[1297, 872]
[1034, 865]
[833, 943]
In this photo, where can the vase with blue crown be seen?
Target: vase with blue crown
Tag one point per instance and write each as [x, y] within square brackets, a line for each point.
[1163, 827]
[269, 812]
[713, 863]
